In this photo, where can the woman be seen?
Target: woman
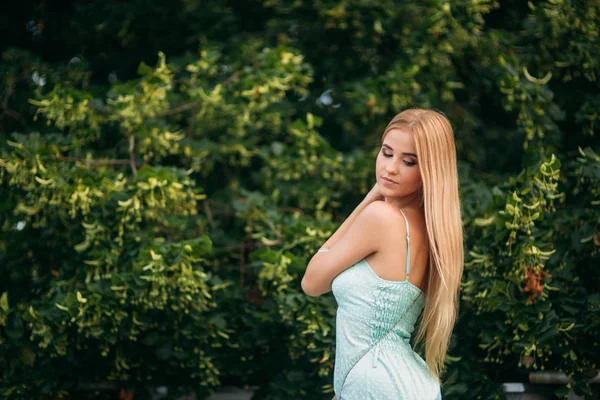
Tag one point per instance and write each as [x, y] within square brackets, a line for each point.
[393, 259]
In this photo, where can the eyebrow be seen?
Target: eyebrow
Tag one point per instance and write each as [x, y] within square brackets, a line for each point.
[406, 154]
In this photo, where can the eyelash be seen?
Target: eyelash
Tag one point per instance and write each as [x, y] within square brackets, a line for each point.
[409, 163]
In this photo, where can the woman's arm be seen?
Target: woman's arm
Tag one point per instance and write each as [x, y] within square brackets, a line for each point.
[360, 235]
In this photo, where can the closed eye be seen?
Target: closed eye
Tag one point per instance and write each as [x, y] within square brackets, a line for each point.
[407, 162]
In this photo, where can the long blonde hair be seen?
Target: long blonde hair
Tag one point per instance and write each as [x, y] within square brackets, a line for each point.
[436, 155]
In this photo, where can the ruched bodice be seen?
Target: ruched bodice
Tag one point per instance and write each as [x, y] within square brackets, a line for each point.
[374, 323]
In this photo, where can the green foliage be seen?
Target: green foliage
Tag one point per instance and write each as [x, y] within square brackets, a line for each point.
[157, 213]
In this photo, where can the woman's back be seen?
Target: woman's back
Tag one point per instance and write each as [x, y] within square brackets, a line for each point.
[374, 323]
[387, 263]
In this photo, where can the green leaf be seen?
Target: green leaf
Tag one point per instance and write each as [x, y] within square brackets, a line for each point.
[4, 302]
[572, 355]
[29, 356]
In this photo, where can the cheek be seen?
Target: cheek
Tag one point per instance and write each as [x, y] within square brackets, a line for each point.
[415, 176]
[379, 162]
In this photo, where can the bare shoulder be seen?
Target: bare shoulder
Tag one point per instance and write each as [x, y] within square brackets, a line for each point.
[418, 232]
[385, 220]
[396, 223]
[372, 219]
[393, 249]
[382, 213]
[392, 214]
[416, 221]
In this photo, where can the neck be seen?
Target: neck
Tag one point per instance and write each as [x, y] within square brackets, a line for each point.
[411, 201]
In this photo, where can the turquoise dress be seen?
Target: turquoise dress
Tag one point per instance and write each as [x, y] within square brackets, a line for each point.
[374, 322]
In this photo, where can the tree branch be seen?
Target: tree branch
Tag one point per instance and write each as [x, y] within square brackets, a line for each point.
[262, 216]
[192, 122]
[88, 163]
[6, 110]
[99, 108]
[242, 264]
[132, 154]
[209, 214]
[177, 110]
[95, 162]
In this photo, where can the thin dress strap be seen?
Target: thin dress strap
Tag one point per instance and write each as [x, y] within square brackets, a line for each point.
[407, 245]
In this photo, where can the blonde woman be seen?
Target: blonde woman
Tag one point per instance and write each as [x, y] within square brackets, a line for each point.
[399, 254]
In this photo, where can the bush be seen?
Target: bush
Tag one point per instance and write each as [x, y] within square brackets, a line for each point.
[155, 228]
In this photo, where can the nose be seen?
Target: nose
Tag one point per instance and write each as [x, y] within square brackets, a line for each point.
[391, 168]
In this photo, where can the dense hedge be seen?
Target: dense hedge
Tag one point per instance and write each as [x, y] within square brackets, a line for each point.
[167, 169]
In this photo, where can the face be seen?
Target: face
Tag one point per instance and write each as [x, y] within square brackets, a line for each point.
[397, 161]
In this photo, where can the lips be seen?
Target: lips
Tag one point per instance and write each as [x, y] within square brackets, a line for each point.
[388, 180]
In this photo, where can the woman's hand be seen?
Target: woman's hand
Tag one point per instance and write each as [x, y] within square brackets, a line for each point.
[374, 194]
